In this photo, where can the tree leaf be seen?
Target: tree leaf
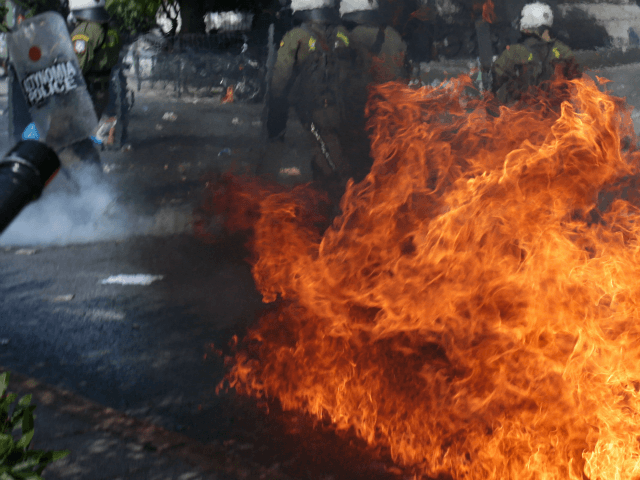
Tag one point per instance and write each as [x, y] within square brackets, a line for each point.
[58, 454]
[4, 383]
[25, 440]
[6, 444]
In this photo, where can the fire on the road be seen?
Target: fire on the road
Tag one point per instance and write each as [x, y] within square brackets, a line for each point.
[470, 311]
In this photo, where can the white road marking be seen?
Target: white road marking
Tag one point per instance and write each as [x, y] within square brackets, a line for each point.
[138, 279]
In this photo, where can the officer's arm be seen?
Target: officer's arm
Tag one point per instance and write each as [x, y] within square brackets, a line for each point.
[565, 57]
[286, 59]
[397, 49]
[91, 42]
[83, 51]
[501, 67]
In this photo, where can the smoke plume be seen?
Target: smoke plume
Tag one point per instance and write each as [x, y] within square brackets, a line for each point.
[81, 206]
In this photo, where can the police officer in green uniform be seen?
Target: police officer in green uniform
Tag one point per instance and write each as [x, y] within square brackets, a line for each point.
[323, 70]
[380, 56]
[535, 60]
[306, 77]
[97, 47]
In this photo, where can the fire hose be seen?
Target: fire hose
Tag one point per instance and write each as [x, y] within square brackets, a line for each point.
[24, 172]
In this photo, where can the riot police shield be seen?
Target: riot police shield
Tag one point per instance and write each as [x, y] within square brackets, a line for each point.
[52, 81]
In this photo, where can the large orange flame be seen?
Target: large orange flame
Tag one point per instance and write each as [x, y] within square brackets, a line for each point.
[469, 310]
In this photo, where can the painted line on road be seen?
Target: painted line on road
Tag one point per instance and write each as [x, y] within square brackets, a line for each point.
[138, 279]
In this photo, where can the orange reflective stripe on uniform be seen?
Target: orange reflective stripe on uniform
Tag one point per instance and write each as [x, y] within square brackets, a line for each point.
[80, 36]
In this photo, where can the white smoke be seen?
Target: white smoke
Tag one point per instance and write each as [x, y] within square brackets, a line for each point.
[83, 209]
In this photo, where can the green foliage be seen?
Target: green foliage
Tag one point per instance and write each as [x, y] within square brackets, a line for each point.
[134, 16]
[36, 7]
[4, 11]
[16, 461]
[30, 8]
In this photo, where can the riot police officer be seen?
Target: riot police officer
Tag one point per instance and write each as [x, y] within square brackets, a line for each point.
[323, 70]
[97, 47]
[379, 56]
[535, 60]
[306, 76]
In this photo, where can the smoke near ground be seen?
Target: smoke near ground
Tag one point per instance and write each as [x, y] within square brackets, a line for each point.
[81, 207]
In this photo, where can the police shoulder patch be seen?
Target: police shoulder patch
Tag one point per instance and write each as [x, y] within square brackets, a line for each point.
[79, 46]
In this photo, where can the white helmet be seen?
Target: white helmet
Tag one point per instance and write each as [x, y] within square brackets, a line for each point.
[535, 15]
[350, 6]
[302, 5]
[91, 10]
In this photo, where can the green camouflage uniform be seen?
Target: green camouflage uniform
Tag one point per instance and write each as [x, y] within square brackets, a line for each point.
[530, 63]
[333, 98]
[98, 50]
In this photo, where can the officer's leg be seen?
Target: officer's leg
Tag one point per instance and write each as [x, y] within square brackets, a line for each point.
[100, 100]
[277, 115]
[86, 151]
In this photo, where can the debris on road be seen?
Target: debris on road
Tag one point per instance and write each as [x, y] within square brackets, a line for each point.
[158, 127]
[26, 251]
[170, 116]
[236, 121]
[137, 279]
[145, 108]
[224, 151]
[256, 123]
[4, 341]
[126, 148]
[63, 298]
[290, 171]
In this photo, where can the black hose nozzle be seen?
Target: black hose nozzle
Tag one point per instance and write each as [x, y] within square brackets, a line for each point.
[24, 172]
